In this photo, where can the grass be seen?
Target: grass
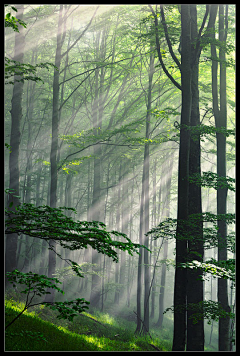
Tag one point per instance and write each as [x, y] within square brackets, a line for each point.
[40, 330]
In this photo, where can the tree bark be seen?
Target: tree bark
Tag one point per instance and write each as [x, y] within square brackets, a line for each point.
[54, 148]
[179, 333]
[195, 331]
[167, 167]
[146, 164]
[221, 121]
[16, 115]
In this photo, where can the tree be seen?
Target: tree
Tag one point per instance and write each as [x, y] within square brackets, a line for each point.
[16, 115]
[179, 333]
[220, 115]
[54, 144]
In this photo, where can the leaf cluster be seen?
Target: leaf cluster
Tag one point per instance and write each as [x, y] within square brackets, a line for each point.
[36, 284]
[190, 229]
[24, 70]
[69, 309]
[49, 223]
[12, 22]
[212, 180]
[203, 130]
[206, 309]
[221, 269]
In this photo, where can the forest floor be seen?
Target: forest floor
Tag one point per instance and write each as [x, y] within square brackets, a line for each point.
[40, 330]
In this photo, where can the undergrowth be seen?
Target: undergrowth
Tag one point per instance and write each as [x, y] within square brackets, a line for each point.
[39, 330]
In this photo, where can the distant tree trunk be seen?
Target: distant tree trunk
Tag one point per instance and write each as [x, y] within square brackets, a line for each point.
[116, 297]
[144, 219]
[124, 229]
[221, 122]
[16, 115]
[140, 261]
[96, 200]
[155, 240]
[146, 199]
[54, 148]
[68, 203]
[179, 333]
[167, 171]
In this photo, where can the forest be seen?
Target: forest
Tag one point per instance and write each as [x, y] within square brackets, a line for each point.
[119, 177]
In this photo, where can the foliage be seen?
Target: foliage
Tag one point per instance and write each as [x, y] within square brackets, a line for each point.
[190, 228]
[206, 309]
[24, 70]
[12, 22]
[202, 130]
[8, 147]
[221, 269]
[38, 285]
[49, 223]
[212, 180]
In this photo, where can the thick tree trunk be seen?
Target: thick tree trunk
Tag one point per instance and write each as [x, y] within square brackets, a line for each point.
[179, 333]
[195, 331]
[16, 115]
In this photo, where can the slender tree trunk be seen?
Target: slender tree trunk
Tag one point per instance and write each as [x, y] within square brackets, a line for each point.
[54, 148]
[179, 333]
[146, 200]
[16, 115]
[155, 240]
[96, 200]
[221, 122]
[116, 297]
[167, 170]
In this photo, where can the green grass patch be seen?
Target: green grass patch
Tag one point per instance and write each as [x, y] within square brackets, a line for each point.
[40, 330]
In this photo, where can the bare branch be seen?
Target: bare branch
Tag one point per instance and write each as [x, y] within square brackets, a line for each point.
[81, 34]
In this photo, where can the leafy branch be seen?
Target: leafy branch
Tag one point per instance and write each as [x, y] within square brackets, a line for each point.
[37, 285]
[24, 70]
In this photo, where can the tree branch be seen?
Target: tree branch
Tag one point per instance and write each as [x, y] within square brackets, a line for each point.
[168, 39]
[80, 34]
[159, 51]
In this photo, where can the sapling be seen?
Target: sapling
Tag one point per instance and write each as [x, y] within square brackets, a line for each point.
[37, 285]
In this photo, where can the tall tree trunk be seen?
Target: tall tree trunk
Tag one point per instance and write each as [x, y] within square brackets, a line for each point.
[124, 229]
[195, 331]
[116, 297]
[154, 211]
[179, 333]
[96, 200]
[16, 115]
[146, 199]
[221, 122]
[54, 148]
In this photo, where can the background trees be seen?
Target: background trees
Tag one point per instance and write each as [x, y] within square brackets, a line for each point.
[100, 133]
